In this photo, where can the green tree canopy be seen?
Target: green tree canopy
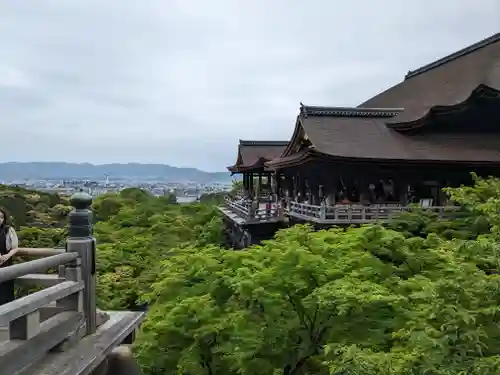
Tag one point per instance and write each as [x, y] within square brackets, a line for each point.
[416, 296]
[404, 299]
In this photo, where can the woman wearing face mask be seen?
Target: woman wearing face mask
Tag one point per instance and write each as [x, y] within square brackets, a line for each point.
[8, 248]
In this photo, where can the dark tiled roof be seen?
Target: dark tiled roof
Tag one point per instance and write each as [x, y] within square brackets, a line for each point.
[455, 55]
[256, 153]
[370, 138]
[364, 133]
[445, 82]
[252, 151]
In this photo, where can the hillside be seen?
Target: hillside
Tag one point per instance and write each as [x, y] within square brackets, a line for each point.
[61, 170]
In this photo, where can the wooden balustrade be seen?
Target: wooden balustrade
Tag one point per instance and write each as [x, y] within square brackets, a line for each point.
[32, 325]
[39, 252]
[264, 210]
[56, 328]
[238, 206]
[357, 214]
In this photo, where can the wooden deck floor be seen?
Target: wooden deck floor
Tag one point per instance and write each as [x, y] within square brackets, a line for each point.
[89, 352]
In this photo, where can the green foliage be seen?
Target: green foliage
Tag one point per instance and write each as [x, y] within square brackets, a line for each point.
[137, 231]
[29, 208]
[338, 302]
[237, 186]
[134, 231]
[107, 206]
[419, 296]
[47, 237]
[213, 198]
[135, 195]
[464, 224]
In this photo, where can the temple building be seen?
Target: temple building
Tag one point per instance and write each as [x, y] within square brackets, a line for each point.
[252, 214]
[355, 165]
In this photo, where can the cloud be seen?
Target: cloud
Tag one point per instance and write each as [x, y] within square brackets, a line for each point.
[180, 81]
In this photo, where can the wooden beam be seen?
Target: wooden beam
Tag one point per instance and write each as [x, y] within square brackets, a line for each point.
[39, 251]
[26, 326]
[17, 355]
[34, 266]
[32, 302]
[40, 279]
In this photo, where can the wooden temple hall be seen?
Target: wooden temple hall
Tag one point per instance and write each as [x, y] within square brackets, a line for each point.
[355, 165]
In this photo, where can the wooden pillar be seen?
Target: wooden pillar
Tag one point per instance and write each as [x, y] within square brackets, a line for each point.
[259, 191]
[250, 185]
[295, 187]
[278, 177]
[301, 187]
[245, 182]
[290, 186]
[403, 187]
[269, 195]
[81, 241]
[308, 192]
[443, 197]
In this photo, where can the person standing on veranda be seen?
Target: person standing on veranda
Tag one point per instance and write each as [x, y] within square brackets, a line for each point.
[8, 248]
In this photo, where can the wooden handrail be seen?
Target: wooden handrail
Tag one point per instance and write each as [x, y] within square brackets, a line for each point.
[35, 301]
[39, 251]
[254, 214]
[50, 331]
[37, 265]
[357, 213]
[23, 318]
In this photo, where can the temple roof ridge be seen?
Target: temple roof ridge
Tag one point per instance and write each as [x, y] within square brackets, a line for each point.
[464, 51]
[262, 143]
[308, 110]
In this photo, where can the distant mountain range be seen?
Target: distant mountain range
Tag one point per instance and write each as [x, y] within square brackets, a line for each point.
[59, 170]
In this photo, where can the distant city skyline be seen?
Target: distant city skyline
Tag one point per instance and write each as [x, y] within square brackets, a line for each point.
[222, 169]
[140, 172]
[179, 82]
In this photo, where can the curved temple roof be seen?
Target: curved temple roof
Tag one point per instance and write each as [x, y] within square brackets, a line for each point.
[375, 129]
[368, 137]
[253, 154]
[448, 82]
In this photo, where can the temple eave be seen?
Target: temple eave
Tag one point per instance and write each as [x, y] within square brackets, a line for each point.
[439, 111]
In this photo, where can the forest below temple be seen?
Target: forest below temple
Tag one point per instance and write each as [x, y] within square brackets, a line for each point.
[416, 296]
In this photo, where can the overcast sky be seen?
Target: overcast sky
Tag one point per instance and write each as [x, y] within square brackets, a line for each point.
[180, 81]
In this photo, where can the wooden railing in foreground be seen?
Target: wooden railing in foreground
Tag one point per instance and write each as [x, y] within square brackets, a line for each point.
[357, 214]
[36, 323]
[58, 329]
[263, 210]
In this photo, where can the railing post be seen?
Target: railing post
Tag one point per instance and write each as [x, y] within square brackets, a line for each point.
[80, 240]
[281, 208]
[322, 210]
[252, 209]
